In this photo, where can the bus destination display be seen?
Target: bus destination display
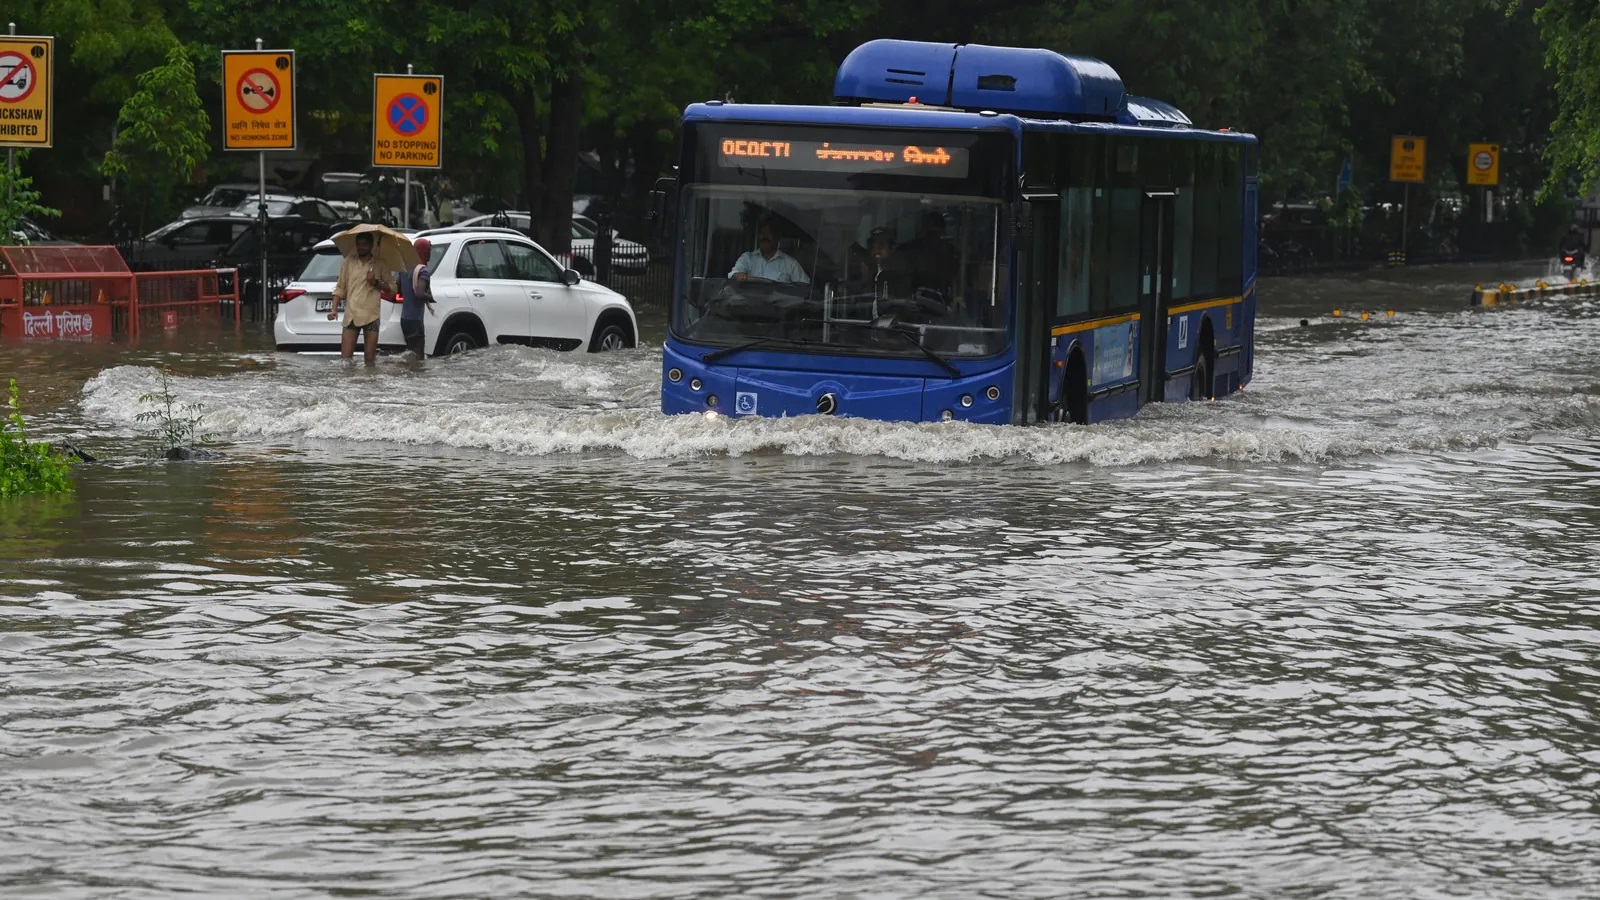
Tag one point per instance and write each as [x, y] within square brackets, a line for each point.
[832, 156]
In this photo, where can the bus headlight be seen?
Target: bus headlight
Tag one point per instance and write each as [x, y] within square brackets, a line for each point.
[711, 400]
[993, 393]
[674, 374]
[966, 399]
[946, 416]
[694, 384]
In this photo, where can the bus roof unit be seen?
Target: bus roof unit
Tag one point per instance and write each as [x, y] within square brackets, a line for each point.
[1027, 82]
[1153, 114]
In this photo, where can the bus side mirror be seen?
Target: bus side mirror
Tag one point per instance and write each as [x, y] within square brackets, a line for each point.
[663, 203]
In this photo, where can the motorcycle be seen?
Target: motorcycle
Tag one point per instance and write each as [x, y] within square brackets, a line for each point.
[1571, 263]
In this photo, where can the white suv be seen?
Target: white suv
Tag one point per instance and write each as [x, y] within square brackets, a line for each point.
[490, 286]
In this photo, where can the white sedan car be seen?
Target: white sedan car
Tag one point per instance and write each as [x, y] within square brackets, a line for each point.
[490, 286]
[627, 257]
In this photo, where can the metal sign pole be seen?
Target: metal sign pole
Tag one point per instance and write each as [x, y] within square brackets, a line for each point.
[1405, 214]
[11, 154]
[261, 218]
[406, 223]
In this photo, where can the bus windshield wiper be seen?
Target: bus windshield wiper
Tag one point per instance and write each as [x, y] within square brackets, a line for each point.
[715, 355]
[943, 363]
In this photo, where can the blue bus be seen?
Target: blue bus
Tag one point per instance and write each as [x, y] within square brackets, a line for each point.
[974, 233]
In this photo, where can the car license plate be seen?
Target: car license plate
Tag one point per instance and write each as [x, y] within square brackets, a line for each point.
[324, 304]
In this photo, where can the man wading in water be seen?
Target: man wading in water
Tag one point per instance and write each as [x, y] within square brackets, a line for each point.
[360, 289]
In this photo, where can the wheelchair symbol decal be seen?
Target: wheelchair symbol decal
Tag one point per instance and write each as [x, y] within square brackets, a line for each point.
[745, 403]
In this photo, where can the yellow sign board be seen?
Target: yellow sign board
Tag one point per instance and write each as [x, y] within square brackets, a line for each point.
[1407, 158]
[407, 112]
[258, 100]
[1483, 164]
[27, 90]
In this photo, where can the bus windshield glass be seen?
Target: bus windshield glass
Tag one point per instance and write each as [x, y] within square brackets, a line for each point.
[799, 241]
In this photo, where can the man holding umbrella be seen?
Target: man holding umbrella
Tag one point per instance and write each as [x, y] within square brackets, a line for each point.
[372, 253]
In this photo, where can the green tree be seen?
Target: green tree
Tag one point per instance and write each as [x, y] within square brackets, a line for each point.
[1571, 30]
[18, 199]
[25, 467]
[100, 45]
[161, 138]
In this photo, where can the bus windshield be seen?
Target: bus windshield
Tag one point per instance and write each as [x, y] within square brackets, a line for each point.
[826, 270]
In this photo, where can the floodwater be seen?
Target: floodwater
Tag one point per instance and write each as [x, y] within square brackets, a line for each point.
[494, 627]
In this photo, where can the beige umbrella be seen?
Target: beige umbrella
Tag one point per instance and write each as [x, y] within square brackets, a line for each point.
[390, 249]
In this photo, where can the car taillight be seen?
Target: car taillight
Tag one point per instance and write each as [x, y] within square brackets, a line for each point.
[289, 294]
[1566, 259]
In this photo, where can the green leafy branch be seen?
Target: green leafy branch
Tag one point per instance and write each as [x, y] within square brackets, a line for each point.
[28, 468]
[18, 199]
[173, 424]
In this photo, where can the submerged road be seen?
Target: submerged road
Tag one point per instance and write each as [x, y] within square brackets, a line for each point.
[495, 627]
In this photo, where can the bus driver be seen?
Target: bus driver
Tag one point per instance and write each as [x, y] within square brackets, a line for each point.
[768, 263]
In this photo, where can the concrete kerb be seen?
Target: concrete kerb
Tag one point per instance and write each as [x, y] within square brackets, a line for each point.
[1503, 294]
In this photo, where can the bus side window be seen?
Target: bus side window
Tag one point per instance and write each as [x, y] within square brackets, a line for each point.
[1077, 230]
[1207, 187]
[1183, 221]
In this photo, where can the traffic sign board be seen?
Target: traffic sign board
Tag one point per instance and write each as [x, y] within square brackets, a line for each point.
[17, 79]
[26, 91]
[1407, 158]
[258, 91]
[258, 111]
[407, 111]
[1483, 164]
[408, 114]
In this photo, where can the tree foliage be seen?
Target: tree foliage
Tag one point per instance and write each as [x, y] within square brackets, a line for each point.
[18, 198]
[1571, 31]
[530, 85]
[28, 467]
[161, 138]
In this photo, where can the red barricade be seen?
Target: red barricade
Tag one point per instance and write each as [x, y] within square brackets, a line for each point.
[78, 293]
[176, 298]
[67, 293]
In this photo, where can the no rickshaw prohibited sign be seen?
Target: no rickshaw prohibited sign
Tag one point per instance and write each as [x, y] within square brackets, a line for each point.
[26, 91]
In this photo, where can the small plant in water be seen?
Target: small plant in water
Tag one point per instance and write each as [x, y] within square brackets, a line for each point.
[28, 468]
[177, 427]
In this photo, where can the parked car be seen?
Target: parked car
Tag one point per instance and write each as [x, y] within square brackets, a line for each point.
[30, 233]
[220, 199]
[186, 243]
[342, 191]
[308, 208]
[490, 286]
[627, 257]
[354, 194]
[290, 242]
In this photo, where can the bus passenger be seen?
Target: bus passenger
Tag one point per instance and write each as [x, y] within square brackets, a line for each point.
[930, 257]
[768, 262]
[882, 272]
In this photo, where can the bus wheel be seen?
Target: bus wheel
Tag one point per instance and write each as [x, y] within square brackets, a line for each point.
[1072, 404]
[1202, 388]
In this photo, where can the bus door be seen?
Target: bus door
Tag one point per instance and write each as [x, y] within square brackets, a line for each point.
[1036, 299]
[1155, 292]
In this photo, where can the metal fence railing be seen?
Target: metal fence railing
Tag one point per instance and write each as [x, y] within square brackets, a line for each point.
[88, 293]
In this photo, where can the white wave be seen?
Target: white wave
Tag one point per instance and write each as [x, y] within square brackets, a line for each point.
[1439, 382]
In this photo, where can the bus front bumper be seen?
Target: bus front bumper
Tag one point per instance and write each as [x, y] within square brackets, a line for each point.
[776, 393]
